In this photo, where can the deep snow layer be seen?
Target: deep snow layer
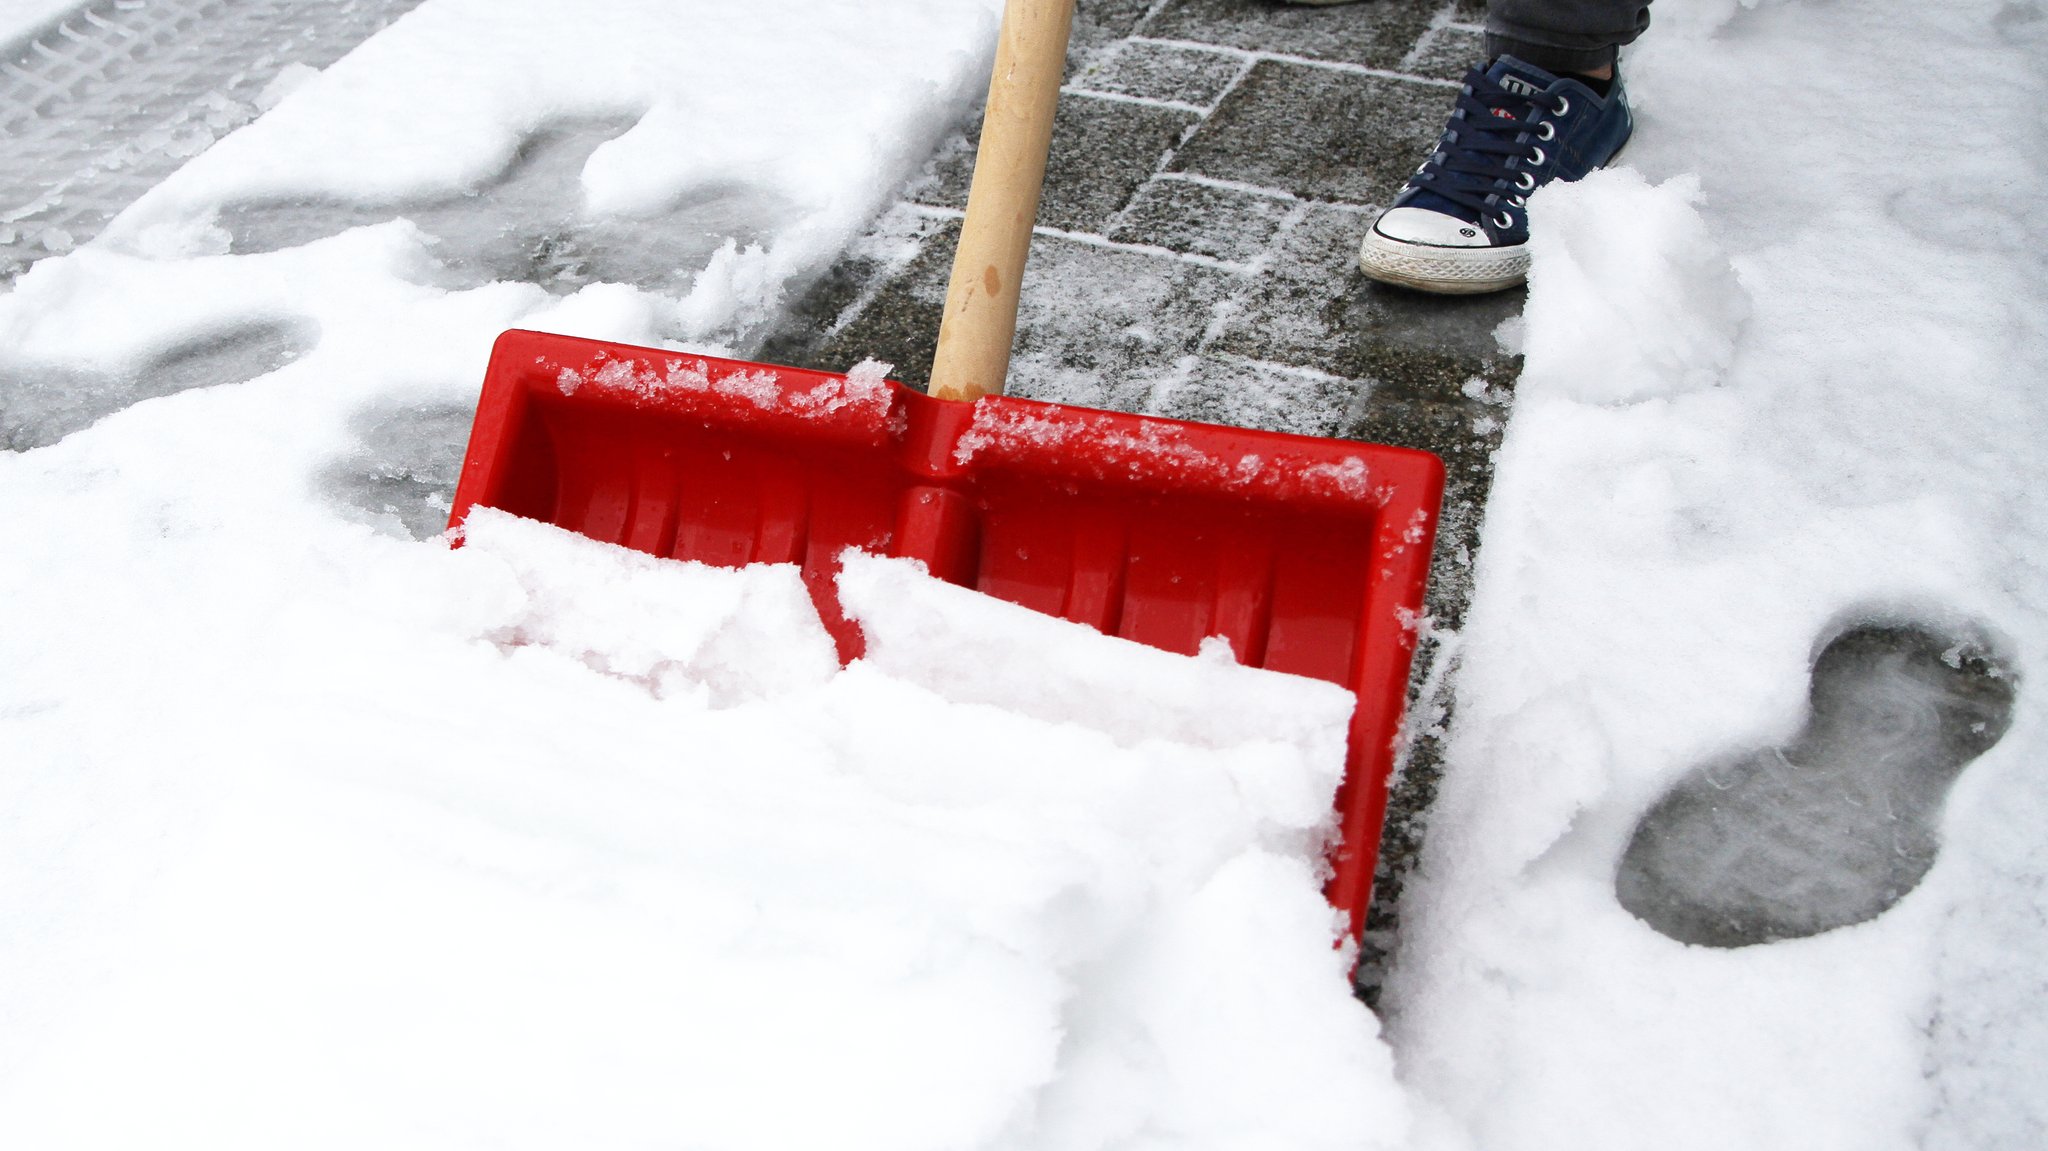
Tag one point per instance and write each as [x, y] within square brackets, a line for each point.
[543, 843]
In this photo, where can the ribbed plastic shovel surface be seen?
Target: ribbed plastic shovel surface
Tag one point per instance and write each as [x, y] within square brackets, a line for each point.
[1307, 555]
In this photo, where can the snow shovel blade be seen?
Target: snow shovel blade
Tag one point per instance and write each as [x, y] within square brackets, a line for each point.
[1307, 555]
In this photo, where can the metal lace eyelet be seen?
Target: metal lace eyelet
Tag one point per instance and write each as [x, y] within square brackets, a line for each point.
[1549, 131]
[1517, 201]
[1540, 156]
[1526, 182]
[1564, 106]
[1503, 221]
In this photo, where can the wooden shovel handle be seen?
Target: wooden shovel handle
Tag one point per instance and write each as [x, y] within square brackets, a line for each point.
[1002, 204]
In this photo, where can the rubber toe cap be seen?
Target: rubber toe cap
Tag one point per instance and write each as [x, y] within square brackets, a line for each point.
[1430, 229]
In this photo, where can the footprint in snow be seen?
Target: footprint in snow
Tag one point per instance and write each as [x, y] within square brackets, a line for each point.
[401, 476]
[528, 223]
[1836, 826]
[42, 403]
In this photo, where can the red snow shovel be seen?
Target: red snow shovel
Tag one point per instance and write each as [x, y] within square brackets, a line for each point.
[1307, 555]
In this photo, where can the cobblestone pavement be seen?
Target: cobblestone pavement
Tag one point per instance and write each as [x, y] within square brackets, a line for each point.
[1214, 165]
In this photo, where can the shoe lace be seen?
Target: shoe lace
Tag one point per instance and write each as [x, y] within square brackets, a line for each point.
[1491, 152]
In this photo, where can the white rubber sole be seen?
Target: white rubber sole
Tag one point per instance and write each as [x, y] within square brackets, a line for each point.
[1444, 271]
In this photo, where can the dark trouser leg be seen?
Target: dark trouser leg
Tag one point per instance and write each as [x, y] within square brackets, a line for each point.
[1564, 35]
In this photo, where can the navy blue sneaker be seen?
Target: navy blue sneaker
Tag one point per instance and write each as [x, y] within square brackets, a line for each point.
[1459, 226]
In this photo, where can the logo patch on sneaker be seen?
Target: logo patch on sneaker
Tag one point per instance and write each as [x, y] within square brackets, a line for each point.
[1520, 87]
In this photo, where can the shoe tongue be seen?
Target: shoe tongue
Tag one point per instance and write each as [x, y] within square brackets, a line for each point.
[1523, 80]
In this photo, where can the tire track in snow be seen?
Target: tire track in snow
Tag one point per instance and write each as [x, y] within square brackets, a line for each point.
[118, 95]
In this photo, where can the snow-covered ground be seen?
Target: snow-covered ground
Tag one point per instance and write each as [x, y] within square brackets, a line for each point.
[22, 17]
[316, 834]
[1783, 377]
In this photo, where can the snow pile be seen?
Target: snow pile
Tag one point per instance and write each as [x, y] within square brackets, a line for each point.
[542, 842]
[24, 18]
[1657, 578]
[677, 629]
[1630, 297]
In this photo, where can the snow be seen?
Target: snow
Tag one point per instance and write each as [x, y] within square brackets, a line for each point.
[1781, 379]
[541, 841]
[315, 834]
[20, 18]
[1636, 299]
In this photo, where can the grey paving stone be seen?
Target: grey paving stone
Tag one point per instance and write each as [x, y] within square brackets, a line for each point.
[1469, 11]
[1102, 151]
[1375, 35]
[812, 318]
[1202, 219]
[1248, 394]
[1101, 22]
[1448, 54]
[1318, 133]
[1106, 328]
[1313, 308]
[1161, 72]
[1461, 431]
[1096, 326]
[945, 178]
[1464, 433]
[899, 324]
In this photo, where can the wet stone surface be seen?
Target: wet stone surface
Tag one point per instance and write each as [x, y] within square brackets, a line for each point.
[401, 476]
[1311, 305]
[1251, 394]
[1168, 72]
[1214, 167]
[1448, 53]
[1195, 218]
[1103, 152]
[1103, 22]
[864, 309]
[1108, 328]
[1377, 35]
[1837, 825]
[1317, 133]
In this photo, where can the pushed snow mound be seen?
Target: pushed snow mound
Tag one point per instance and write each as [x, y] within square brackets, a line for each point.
[607, 850]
